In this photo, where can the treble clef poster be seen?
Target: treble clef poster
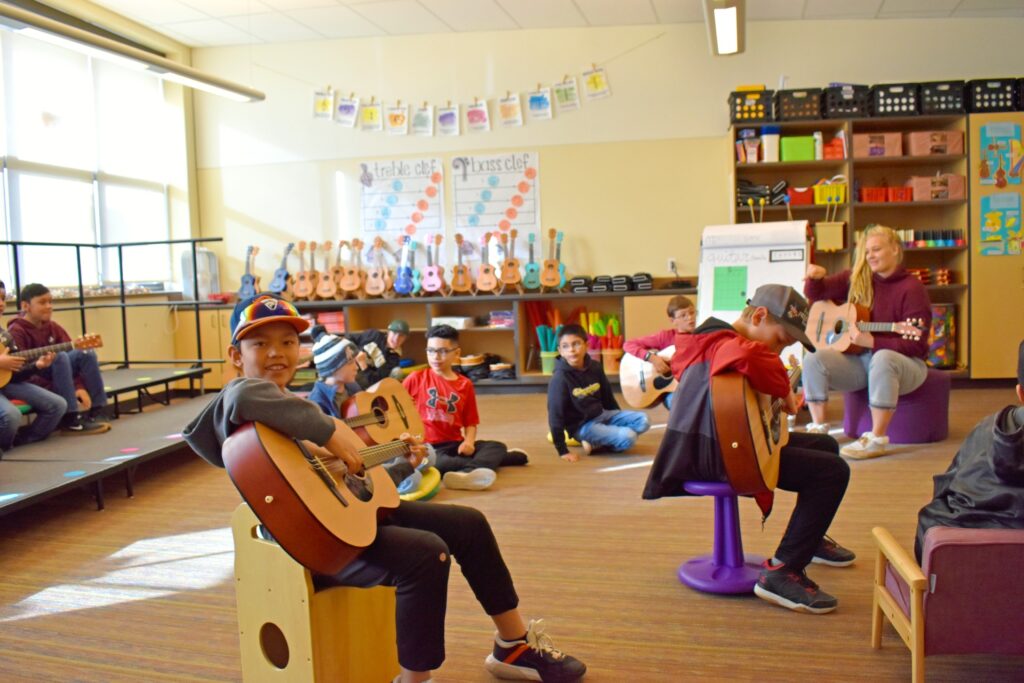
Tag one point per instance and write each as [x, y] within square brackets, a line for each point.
[497, 192]
[402, 197]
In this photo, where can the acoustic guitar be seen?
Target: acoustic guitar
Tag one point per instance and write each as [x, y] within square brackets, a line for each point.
[486, 280]
[531, 271]
[461, 280]
[830, 326]
[377, 277]
[319, 512]
[326, 286]
[510, 275]
[751, 431]
[550, 273]
[433, 276]
[247, 288]
[304, 285]
[88, 341]
[338, 270]
[279, 283]
[417, 276]
[383, 413]
[354, 278]
[642, 386]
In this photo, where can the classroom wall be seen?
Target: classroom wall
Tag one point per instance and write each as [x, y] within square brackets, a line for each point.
[631, 179]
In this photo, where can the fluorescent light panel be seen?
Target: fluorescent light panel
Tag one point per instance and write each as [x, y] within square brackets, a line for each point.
[725, 21]
[43, 28]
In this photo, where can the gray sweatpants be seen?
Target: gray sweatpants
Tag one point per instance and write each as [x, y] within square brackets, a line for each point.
[887, 375]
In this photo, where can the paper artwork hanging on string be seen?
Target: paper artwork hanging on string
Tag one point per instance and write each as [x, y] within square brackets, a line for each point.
[538, 104]
[477, 118]
[323, 104]
[1002, 233]
[510, 112]
[402, 197]
[397, 121]
[567, 95]
[346, 111]
[371, 117]
[595, 84]
[495, 193]
[423, 120]
[448, 120]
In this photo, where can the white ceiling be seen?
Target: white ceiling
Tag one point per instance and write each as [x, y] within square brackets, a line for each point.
[205, 23]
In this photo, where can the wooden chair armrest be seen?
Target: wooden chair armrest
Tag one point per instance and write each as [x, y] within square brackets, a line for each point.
[899, 559]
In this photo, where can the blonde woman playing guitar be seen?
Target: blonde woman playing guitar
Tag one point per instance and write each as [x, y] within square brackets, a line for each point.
[691, 452]
[890, 366]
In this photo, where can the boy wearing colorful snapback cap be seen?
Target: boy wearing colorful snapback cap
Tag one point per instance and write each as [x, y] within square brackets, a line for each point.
[417, 541]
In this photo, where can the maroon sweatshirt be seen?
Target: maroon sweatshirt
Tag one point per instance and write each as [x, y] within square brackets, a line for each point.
[897, 298]
[29, 336]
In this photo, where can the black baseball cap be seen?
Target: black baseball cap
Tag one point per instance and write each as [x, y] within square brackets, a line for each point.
[788, 307]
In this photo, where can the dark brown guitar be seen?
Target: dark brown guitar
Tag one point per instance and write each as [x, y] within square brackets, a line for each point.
[321, 514]
[751, 431]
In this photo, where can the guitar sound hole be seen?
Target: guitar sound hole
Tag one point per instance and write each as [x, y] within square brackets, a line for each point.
[379, 407]
[360, 486]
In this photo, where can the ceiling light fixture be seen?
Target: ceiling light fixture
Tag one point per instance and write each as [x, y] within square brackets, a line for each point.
[43, 28]
[726, 21]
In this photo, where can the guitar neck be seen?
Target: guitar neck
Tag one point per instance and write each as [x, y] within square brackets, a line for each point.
[878, 327]
[794, 379]
[381, 453]
[43, 350]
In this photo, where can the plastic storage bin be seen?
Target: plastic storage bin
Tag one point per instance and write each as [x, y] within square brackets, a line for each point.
[798, 105]
[870, 195]
[899, 194]
[896, 99]
[943, 97]
[750, 107]
[846, 101]
[992, 94]
[797, 148]
[800, 196]
[833, 193]
[928, 142]
[209, 274]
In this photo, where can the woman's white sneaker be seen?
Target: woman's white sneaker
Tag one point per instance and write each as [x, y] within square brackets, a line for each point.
[867, 446]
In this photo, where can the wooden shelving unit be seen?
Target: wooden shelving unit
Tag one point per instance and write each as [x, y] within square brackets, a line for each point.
[873, 172]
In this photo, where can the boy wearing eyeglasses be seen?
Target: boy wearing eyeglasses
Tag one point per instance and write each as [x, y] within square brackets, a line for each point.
[581, 403]
[447, 404]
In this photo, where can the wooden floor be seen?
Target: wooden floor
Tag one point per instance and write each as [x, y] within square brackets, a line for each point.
[143, 590]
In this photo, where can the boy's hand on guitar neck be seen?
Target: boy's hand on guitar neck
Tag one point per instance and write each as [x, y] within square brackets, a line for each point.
[417, 449]
[340, 447]
[815, 272]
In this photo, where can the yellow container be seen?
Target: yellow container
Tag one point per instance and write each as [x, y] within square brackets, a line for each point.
[547, 362]
[611, 359]
[834, 193]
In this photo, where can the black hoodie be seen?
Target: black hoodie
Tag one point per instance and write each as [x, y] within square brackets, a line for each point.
[576, 397]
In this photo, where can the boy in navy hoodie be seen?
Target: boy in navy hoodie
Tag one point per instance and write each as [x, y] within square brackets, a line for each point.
[580, 402]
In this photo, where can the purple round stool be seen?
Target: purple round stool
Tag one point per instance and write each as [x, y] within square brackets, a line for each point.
[922, 416]
[726, 569]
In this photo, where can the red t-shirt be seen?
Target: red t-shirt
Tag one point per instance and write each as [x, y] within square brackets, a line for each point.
[446, 406]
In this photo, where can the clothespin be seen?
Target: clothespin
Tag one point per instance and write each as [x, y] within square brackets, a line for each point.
[373, 99]
[399, 103]
[508, 94]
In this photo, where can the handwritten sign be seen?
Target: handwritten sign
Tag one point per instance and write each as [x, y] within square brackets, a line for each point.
[495, 193]
[402, 197]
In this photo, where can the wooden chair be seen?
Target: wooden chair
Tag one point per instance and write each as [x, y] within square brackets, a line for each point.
[291, 633]
[964, 599]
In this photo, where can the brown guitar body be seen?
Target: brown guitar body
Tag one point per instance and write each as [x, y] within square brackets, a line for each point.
[393, 407]
[829, 325]
[749, 436]
[303, 514]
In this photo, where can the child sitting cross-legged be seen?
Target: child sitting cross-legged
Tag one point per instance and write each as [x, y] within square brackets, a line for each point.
[414, 545]
[447, 403]
[580, 402]
[336, 369]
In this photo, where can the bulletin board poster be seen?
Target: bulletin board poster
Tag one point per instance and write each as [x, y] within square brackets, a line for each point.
[1001, 229]
[496, 193]
[737, 259]
[401, 197]
[1001, 156]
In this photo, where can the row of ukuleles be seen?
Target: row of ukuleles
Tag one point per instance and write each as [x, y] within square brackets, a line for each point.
[351, 279]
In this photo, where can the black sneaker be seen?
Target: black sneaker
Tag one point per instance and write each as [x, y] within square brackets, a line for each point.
[833, 554]
[99, 415]
[792, 590]
[534, 658]
[80, 423]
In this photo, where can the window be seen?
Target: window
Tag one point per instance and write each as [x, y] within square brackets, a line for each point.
[86, 151]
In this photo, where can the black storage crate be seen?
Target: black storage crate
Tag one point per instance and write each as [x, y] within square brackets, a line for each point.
[751, 107]
[845, 101]
[943, 97]
[798, 105]
[895, 99]
[992, 94]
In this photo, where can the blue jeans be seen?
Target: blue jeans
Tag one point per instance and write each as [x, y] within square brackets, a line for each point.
[886, 374]
[614, 430]
[668, 400]
[49, 409]
[77, 363]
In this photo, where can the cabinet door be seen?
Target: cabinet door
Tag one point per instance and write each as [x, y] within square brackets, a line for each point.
[997, 281]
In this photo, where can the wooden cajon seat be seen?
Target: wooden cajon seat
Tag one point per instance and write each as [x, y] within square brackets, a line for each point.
[290, 632]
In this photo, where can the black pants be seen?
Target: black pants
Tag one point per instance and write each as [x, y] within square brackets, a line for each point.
[489, 454]
[413, 553]
[810, 466]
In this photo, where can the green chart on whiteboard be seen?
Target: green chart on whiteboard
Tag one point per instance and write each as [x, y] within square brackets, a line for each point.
[730, 292]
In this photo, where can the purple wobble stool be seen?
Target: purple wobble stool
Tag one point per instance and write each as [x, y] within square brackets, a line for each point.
[726, 569]
[922, 416]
